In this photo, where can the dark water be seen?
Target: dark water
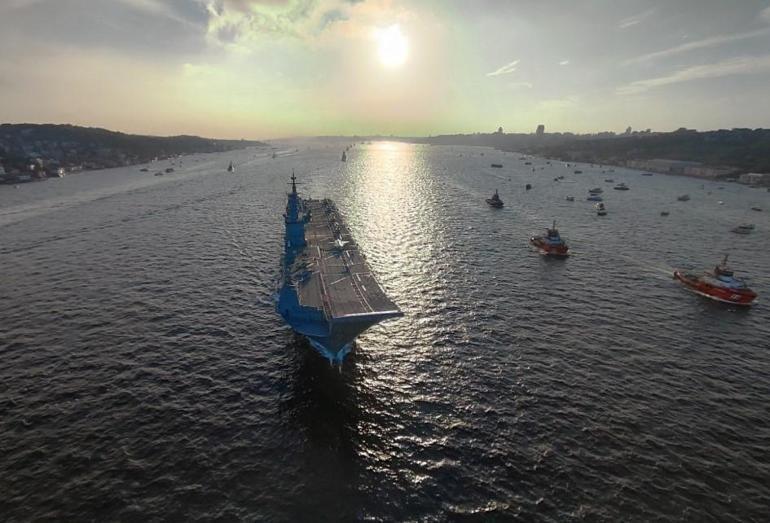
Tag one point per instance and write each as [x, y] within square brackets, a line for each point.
[145, 376]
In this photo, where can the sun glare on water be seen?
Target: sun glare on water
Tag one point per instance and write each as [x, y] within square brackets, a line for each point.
[392, 46]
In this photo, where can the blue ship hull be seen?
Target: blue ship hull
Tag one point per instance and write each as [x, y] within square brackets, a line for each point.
[327, 293]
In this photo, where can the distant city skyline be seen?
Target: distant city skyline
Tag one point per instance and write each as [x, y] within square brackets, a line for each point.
[261, 69]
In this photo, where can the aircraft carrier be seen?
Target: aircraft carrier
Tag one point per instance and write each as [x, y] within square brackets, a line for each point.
[328, 293]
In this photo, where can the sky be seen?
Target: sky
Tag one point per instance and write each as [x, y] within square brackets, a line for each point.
[263, 69]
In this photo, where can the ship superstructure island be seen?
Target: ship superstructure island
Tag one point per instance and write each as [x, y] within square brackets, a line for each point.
[328, 292]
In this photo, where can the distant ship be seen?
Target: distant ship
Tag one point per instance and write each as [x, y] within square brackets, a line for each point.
[600, 209]
[495, 201]
[328, 292]
[745, 228]
[230, 168]
[550, 244]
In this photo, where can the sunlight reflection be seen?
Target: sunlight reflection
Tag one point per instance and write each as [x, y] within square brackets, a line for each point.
[396, 208]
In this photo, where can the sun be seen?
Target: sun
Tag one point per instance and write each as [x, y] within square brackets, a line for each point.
[392, 46]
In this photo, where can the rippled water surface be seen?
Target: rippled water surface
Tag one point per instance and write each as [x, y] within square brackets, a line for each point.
[145, 376]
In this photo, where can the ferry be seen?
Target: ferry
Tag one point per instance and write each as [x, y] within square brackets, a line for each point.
[495, 201]
[719, 284]
[550, 244]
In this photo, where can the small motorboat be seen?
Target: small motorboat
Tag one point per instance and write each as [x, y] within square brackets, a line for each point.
[621, 187]
[169, 169]
[550, 244]
[596, 190]
[495, 201]
[578, 172]
[528, 186]
[744, 228]
[600, 210]
[684, 198]
[758, 209]
[231, 168]
[527, 163]
[159, 173]
[646, 174]
[719, 284]
[570, 198]
[594, 198]
[609, 180]
[664, 213]
[344, 156]
[497, 165]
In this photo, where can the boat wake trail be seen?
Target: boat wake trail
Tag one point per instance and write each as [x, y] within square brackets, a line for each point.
[649, 265]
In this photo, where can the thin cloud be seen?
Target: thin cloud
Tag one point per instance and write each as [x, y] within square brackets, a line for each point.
[155, 7]
[735, 66]
[698, 44]
[564, 62]
[520, 85]
[506, 69]
[636, 19]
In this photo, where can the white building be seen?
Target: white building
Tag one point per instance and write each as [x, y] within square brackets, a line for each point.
[754, 178]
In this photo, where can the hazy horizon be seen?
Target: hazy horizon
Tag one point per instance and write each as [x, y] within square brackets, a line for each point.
[271, 69]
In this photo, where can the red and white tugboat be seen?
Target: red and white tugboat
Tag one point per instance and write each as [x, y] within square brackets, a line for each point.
[719, 284]
[551, 244]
